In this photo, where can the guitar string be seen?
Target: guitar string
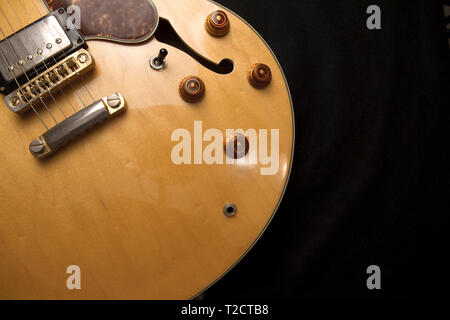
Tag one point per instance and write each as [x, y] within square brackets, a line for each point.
[81, 76]
[28, 101]
[45, 65]
[33, 64]
[23, 70]
[54, 59]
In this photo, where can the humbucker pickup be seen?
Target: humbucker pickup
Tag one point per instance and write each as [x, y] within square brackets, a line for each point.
[33, 49]
[42, 85]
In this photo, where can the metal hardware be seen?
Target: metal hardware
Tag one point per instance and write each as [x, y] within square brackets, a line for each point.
[82, 58]
[75, 125]
[66, 70]
[230, 210]
[14, 101]
[40, 33]
[36, 146]
[158, 62]
[113, 100]
[50, 44]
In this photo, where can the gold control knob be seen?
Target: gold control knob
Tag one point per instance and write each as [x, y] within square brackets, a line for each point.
[192, 89]
[259, 75]
[217, 23]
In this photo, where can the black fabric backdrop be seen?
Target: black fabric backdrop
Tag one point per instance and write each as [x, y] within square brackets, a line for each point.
[370, 179]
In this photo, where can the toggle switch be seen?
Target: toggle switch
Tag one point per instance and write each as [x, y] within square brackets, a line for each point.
[158, 62]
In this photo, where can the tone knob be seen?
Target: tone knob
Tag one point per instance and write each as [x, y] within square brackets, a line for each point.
[217, 23]
[259, 75]
[192, 89]
[237, 146]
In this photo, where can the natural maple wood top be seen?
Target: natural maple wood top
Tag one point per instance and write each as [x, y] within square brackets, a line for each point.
[112, 202]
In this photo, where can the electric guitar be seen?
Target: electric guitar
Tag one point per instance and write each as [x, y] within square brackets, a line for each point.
[146, 146]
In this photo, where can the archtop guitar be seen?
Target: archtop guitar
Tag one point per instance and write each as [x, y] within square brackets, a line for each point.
[146, 146]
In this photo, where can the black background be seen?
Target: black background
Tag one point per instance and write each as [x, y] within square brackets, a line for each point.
[370, 179]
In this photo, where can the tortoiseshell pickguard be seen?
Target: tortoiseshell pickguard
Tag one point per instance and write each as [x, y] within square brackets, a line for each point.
[119, 20]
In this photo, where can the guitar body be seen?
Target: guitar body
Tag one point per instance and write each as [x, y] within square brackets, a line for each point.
[113, 202]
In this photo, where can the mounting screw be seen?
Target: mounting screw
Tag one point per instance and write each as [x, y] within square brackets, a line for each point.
[113, 101]
[36, 146]
[14, 101]
[230, 210]
[83, 58]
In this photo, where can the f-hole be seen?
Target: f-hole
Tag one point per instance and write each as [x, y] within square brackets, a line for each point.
[165, 33]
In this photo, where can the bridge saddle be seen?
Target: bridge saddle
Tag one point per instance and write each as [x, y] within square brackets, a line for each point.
[69, 69]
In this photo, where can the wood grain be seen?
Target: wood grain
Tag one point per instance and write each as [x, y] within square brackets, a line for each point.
[112, 202]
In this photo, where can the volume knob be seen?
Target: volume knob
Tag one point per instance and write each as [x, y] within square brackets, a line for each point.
[192, 89]
[259, 75]
[217, 23]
